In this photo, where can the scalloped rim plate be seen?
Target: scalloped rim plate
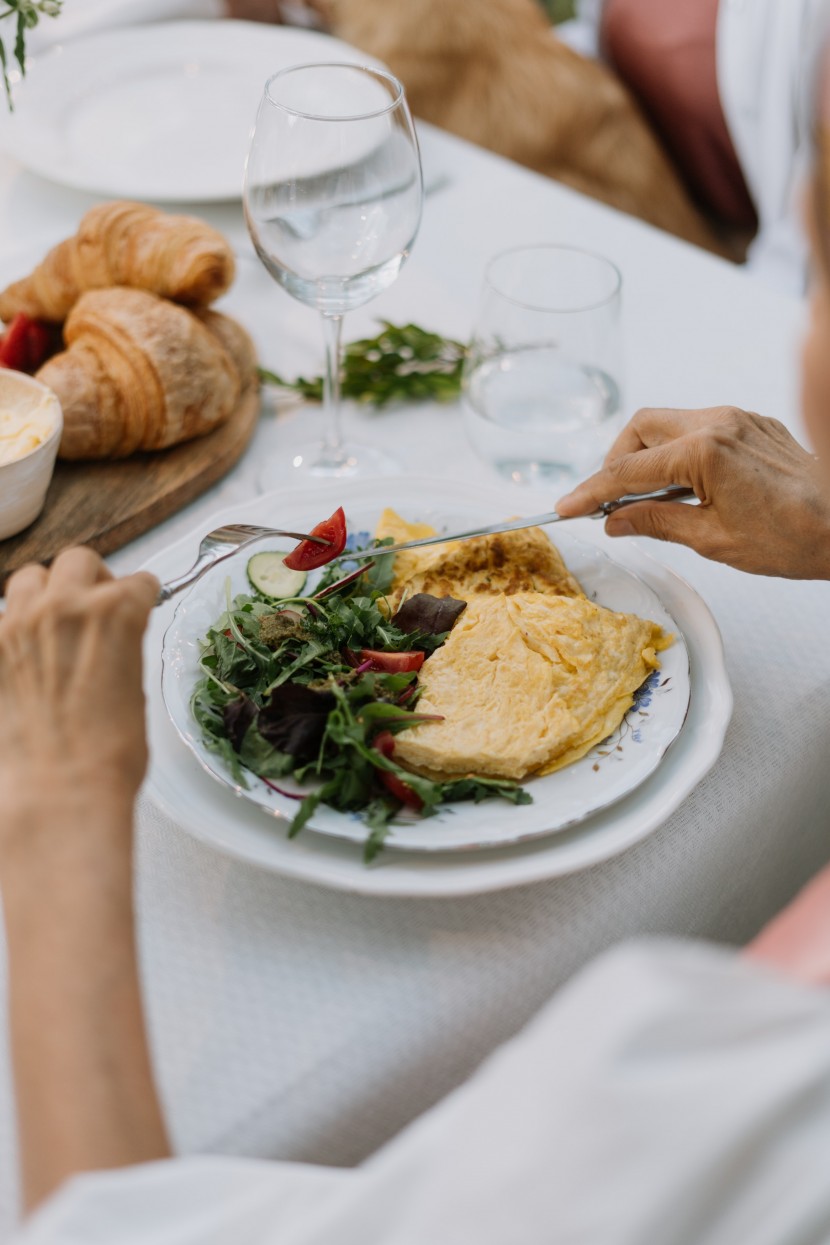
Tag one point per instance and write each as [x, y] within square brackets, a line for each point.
[213, 816]
[562, 800]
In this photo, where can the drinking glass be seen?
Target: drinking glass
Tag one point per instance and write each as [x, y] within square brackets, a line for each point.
[333, 194]
[542, 379]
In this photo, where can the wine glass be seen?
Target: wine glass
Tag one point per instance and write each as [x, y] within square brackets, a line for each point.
[333, 195]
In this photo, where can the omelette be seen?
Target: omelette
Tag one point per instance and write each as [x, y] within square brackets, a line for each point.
[533, 674]
[523, 561]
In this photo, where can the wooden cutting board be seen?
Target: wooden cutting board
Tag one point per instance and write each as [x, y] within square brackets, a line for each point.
[106, 505]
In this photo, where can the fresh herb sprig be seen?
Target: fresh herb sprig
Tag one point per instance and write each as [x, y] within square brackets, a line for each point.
[26, 14]
[296, 706]
[404, 363]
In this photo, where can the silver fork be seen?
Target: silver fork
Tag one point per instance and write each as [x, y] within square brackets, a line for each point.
[220, 544]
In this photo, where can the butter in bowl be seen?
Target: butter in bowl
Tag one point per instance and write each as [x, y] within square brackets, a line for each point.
[31, 423]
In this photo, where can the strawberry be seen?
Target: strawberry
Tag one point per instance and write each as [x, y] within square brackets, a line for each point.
[14, 344]
[27, 343]
[42, 343]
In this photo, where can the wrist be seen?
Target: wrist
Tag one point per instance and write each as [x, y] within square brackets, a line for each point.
[63, 830]
[816, 537]
[40, 790]
[819, 563]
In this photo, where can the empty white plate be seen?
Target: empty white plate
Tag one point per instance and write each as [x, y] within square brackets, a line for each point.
[159, 112]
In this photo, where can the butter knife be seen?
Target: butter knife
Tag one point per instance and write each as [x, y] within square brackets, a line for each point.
[675, 492]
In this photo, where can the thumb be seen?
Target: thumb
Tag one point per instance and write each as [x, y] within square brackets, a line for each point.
[664, 520]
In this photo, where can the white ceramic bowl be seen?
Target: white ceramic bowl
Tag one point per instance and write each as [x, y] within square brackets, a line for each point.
[24, 481]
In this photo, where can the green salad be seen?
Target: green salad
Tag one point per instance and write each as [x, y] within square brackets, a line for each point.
[308, 693]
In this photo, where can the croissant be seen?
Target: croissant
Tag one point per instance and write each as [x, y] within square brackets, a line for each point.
[142, 373]
[178, 257]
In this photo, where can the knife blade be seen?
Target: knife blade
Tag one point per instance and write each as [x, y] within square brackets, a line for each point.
[675, 492]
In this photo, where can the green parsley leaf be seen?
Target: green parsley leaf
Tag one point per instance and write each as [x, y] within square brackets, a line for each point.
[404, 363]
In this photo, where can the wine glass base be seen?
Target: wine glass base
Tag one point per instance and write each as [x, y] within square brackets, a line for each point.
[314, 461]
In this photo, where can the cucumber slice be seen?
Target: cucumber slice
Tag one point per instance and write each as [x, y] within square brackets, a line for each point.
[268, 574]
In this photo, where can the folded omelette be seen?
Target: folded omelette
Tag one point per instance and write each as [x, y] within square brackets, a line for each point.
[533, 674]
[511, 562]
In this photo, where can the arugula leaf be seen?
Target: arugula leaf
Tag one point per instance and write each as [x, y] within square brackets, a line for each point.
[208, 712]
[377, 815]
[237, 717]
[260, 756]
[478, 789]
[307, 810]
[379, 577]
[311, 651]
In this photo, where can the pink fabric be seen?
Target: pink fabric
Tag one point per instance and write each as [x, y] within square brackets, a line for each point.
[664, 50]
[798, 941]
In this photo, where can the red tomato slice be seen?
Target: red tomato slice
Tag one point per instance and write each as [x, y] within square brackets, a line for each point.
[307, 556]
[385, 744]
[14, 346]
[392, 663]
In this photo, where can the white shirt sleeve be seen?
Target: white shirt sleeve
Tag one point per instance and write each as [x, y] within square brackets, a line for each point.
[671, 1092]
[765, 63]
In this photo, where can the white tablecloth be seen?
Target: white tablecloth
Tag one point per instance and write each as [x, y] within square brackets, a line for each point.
[294, 1021]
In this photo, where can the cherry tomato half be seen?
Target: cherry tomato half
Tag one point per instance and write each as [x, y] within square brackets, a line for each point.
[392, 663]
[385, 744]
[307, 556]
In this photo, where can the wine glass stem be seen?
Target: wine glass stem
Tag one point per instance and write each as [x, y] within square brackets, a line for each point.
[333, 436]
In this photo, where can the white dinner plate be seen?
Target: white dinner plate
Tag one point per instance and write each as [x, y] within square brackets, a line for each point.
[184, 790]
[608, 773]
[160, 112]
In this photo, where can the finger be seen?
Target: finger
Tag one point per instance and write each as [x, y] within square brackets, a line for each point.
[24, 586]
[111, 623]
[77, 568]
[143, 590]
[146, 586]
[652, 426]
[642, 472]
[695, 526]
[131, 598]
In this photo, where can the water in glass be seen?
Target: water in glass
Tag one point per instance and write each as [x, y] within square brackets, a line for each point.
[535, 414]
[542, 376]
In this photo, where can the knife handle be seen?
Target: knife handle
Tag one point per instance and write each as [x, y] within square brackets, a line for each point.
[675, 492]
